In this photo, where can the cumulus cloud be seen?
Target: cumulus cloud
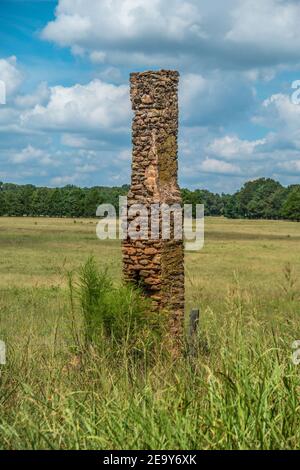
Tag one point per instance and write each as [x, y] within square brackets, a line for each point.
[73, 140]
[90, 166]
[39, 96]
[95, 106]
[211, 165]
[100, 107]
[89, 22]
[270, 25]
[78, 131]
[236, 33]
[32, 154]
[84, 115]
[231, 147]
[291, 167]
[10, 74]
[83, 129]
[278, 110]
[64, 180]
[98, 57]
[282, 117]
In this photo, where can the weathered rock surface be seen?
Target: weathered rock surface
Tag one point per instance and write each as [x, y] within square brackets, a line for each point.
[156, 264]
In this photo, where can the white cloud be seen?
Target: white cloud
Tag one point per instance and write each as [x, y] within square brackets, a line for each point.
[86, 168]
[282, 116]
[251, 33]
[80, 134]
[10, 74]
[211, 165]
[98, 57]
[279, 110]
[266, 74]
[95, 106]
[29, 154]
[73, 140]
[273, 25]
[68, 27]
[290, 167]
[231, 147]
[64, 180]
[110, 74]
[91, 21]
[39, 96]
[124, 155]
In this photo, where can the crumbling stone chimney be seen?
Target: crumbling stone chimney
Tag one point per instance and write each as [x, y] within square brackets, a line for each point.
[157, 265]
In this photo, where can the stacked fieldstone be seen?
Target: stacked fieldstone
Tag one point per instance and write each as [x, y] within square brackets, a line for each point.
[157, 265]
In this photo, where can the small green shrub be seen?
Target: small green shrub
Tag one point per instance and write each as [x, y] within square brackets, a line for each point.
[119, 314]
[93, 286]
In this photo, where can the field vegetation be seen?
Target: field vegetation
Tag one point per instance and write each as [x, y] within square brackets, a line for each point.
[263, 198]
[86, 368]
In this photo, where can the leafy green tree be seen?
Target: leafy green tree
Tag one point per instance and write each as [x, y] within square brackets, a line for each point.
[291, 207]
[263, 198]
[258, 199]
[2, 200]
[92, 199]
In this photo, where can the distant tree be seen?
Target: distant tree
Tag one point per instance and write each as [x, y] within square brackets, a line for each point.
[291, 207]
[263, 198]
[40, 202]
[231, 206]
[26, 193]
[92, 199]
[213, 203]
[2, 201]
[13, 203]
[73, 200]
[258, 199]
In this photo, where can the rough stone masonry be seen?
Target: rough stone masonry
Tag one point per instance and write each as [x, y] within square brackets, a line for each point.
[157, 265]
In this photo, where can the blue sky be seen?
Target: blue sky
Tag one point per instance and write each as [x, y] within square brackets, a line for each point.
[67, 115]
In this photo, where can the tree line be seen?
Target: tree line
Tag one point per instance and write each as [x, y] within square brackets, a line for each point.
[263, 198]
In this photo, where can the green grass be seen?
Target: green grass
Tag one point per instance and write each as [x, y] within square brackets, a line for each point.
[241, 391]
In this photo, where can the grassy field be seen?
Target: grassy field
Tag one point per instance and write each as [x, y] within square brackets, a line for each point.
[240, 392]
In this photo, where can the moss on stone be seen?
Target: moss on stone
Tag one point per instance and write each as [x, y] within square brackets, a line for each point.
[167, 160]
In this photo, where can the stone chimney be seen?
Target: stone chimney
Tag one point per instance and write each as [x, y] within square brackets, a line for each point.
[156, 265]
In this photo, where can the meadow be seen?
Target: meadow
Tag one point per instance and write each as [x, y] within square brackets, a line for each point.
[240, 391]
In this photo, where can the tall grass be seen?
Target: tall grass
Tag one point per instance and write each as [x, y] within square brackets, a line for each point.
[240, 392]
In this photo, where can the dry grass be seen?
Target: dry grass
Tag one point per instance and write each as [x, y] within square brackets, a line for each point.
[242, 391]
